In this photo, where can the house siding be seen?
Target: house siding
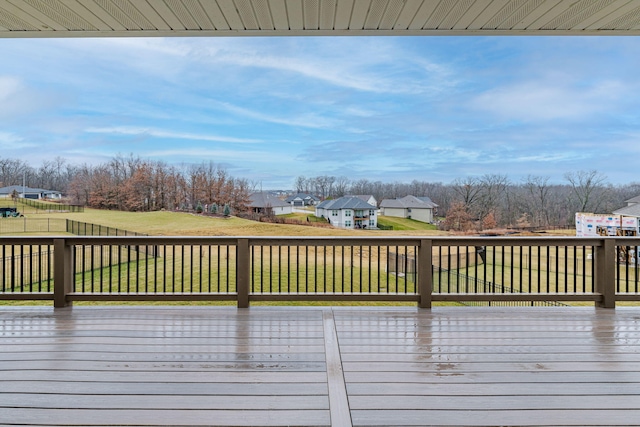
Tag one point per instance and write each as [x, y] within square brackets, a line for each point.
[397, 212]
[424, 215]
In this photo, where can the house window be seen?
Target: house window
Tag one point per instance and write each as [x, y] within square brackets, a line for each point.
[347, 213]
[334, 213]
[347, 223]
[372, 223]
[372, 212]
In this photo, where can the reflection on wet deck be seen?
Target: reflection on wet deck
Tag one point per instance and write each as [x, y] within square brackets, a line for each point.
[319, 366]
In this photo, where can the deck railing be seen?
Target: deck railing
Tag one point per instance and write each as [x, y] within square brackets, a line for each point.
[391, 269]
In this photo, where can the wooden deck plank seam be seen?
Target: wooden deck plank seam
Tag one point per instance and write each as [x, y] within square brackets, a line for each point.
[338, 399]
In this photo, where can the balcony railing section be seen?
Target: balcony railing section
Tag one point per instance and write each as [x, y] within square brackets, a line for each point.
[26, 269]
[327, 269]
[490, 270]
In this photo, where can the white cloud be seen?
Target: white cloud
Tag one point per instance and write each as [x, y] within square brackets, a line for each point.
[548, 100]
[9, 87]
[360, 65]
[159, 133]
[10, 141]
[230, 155]
[310, 120]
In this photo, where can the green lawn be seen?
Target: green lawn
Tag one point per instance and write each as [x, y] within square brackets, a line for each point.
[401, 224]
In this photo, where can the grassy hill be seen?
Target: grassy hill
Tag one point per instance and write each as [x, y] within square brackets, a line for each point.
[403, 224]
[165, 223]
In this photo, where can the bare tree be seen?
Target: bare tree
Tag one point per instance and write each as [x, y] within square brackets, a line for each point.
[467, 190]
[340, 187]
[492, 189]
[587, 189]
[538, 189]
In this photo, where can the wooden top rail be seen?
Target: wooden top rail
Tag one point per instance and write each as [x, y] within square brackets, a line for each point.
[324, 241]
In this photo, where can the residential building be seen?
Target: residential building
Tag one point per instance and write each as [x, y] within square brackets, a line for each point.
[348, 212]
[630, 214]
[632, 208]
[29, 193]
[302, 199]
[418, 208]
[268, 204]
[367, 198]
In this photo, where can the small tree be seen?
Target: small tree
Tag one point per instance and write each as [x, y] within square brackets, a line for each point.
[458, 218]
[214, 208]
[489, 221]
[199, 208]
[227, 210]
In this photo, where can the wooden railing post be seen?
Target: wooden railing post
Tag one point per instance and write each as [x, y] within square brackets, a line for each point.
[243, 271]
[605, 275]
[62, 273]
[425, 273]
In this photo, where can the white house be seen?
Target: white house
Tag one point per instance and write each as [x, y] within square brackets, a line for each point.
[418, 208]
[348, 212]
[265, 203]
[302, 199]
[29, 193]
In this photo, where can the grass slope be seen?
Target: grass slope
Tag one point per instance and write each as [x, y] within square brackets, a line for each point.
[166, 223]
[402, 224]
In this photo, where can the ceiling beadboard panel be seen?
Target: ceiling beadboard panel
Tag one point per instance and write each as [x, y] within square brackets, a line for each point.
[139, 18]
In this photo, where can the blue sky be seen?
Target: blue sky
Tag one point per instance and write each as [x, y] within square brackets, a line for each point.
[271, 109]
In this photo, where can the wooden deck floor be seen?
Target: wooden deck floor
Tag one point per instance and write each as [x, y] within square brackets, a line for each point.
[313, 366]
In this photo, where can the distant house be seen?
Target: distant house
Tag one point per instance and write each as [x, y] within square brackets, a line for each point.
[268, 204]
[348, 212]
[367, 198]
[29, 193]
[302, 199]
[418, 208]
[629, 216]
[632, 208]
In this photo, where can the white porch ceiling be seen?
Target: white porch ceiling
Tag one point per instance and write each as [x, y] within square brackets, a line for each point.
[117, 18]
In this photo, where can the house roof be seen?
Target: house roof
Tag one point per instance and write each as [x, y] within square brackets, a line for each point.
[346, 202]
[633, 210]
[363, 197]
[409, 202]
[135, 18]
[301, 196]
[633, 200]
[266, 200]
[20, 189]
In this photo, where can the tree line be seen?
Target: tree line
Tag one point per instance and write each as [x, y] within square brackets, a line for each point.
[492, 200]
[133, 184]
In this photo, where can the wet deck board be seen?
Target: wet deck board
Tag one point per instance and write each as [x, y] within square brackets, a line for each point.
[318, 366]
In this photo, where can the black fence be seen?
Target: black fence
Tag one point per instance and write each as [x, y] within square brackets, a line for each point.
[32, 225]
[87, 229]
[452, 281]
[52, 207]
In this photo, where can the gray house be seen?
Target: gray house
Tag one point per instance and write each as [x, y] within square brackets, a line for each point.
[29, 193]
[368, 198]
[418, 208]
[632, 208]
[348, 212]
[265, 203]
[302, 199]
